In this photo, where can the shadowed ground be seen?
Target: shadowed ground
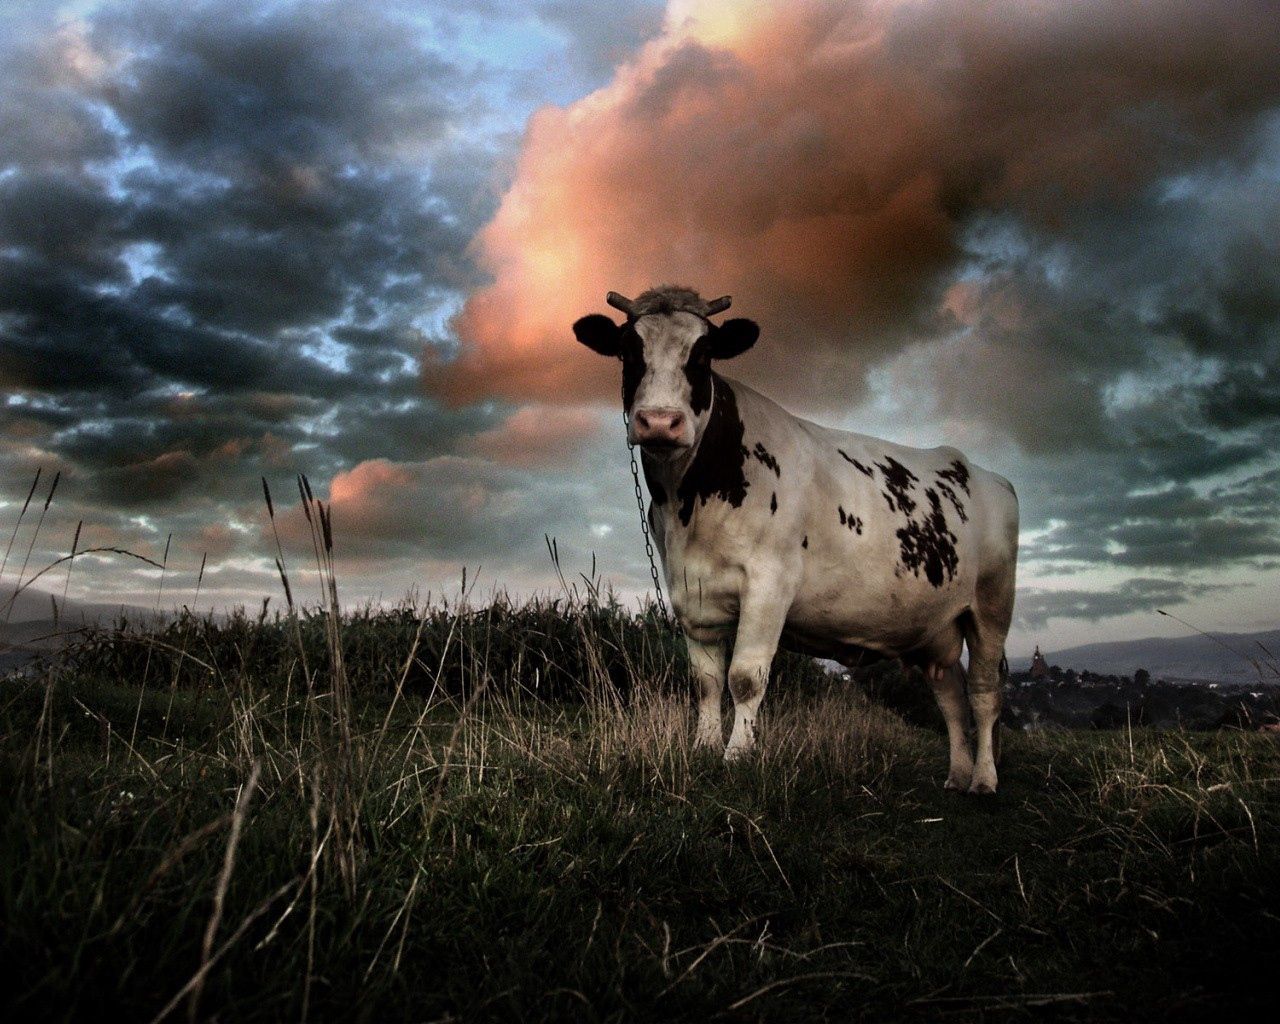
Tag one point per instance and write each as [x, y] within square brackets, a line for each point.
[508, 859]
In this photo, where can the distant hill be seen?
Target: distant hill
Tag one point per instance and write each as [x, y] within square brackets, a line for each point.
[1188, 657]
[29, 627]
[36, 605]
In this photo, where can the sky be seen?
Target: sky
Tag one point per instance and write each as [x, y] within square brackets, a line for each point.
[348, 239]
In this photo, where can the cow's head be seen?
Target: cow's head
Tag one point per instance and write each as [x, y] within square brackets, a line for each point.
[666, 346]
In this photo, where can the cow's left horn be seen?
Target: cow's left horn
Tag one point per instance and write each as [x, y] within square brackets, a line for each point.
[621, 302]
[718, 305]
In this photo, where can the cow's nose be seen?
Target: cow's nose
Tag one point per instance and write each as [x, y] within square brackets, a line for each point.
[662, 426]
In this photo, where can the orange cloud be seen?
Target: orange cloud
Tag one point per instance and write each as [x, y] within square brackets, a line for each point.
[380, 500]
[537, 435]
[276, 452]
[217, 540]
[820, 160]
[447, 507]
[372, 501]
[353, 490]
[231, 449]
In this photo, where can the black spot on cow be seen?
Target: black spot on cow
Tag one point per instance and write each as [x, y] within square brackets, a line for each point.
[805, 543]
[718, 467]
[897, 481]
[765, 459]
[633, 365]
[957, 473]
[698, 372]
[773, 503]
[850, 520]
[864, 470]
[949, 493]
[928, 545]
[656, 490]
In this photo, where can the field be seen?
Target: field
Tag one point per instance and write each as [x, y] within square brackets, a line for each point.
[471, 814]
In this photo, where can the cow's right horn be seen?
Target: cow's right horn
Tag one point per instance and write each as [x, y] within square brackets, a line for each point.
[718, 305]
[621, 302]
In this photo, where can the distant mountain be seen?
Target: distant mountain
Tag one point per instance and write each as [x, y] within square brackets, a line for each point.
[35, 605]
[1188, 657]
[29, 626]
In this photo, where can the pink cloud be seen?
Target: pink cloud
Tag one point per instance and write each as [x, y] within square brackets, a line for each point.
[819, 162]
[538, 435]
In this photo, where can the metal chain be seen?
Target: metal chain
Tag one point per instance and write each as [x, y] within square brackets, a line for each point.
[644, 520]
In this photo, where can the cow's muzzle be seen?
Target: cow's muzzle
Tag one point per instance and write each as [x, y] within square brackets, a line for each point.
[658, 428]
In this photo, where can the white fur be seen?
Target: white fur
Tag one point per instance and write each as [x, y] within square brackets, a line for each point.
[743, 573]
[667, 341]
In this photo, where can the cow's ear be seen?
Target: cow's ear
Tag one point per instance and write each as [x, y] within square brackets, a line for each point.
[733, 337]
[599, 333]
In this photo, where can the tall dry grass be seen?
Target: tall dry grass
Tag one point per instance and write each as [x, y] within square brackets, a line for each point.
[445, 811]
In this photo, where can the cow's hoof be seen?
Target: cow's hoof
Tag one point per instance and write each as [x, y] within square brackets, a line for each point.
[734, 755]
[982, 789]
[956, 784]
[708, 741]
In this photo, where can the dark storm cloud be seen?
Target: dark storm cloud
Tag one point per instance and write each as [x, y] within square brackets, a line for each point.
[218, 225]
[69, 333]
[1246, 394]
[1130, 352]
[1153, 321]
[1178, 527]
[401, 427]
[229, 232]
[64, 220]
[225, 87]
[306, 135]
[1036, 607]
[1255, 498]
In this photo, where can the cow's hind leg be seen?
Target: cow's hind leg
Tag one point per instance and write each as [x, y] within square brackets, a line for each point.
[760, 622]
[948, 690]
[985, 632]
[707, 664]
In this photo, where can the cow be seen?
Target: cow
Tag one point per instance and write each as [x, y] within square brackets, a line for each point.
[774, 530]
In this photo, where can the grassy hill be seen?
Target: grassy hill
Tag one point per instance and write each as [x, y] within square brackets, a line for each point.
[218, 822]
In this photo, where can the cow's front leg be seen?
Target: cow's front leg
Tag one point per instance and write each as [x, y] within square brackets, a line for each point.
[707, 664]
[760, 624]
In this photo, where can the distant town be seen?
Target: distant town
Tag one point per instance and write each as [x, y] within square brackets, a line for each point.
[1047, 696]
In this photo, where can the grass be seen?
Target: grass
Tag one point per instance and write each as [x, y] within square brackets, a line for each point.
[170, 850]
[456, 813]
